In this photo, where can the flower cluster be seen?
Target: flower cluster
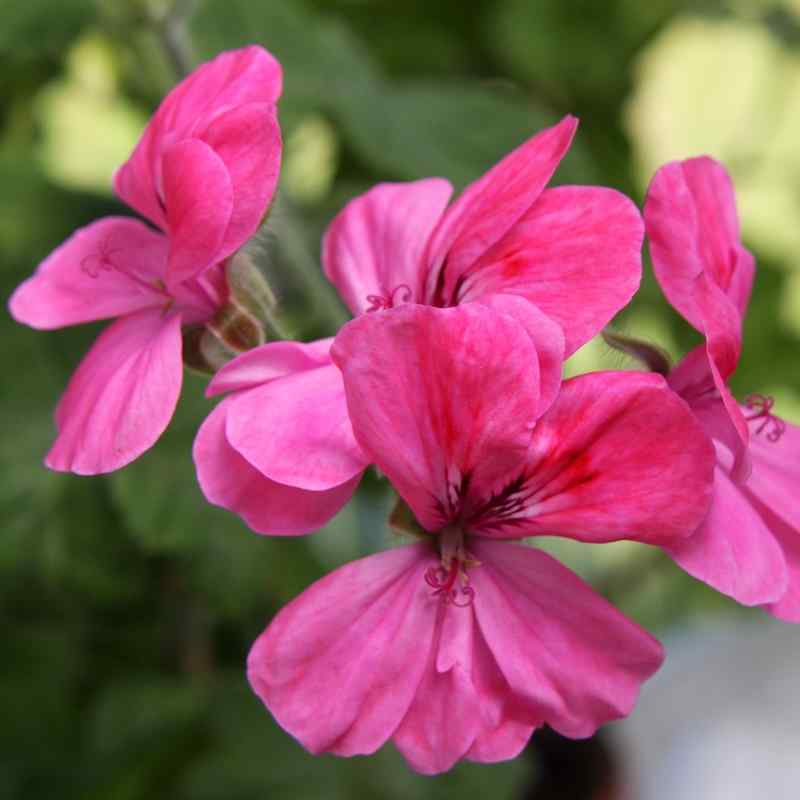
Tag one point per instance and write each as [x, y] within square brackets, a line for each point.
[448, 380]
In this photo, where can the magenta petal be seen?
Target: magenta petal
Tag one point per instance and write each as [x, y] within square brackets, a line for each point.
[106, 269]
[617, 456]
[296, 430]
[198, 197]
[248, 140]
[236, 78]
[439, 398]
[576, 254]
[787, 607]
[490, 206]
[339, 666]
[571, 659]
[691, 220]
[733, 550]
[775, 478]
[547, 337]
[374, 247]
[445, 716]
[270, 361]
[121, 397]
[229, 480]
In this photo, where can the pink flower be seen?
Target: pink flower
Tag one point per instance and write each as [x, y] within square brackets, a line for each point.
[460, 645]
[204, 173]
[279, 450]
[749, 545]
[573, 253]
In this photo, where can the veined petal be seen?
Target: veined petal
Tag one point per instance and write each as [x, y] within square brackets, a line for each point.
[296, 430]
[570, 658]
[229, 480]
[490, 206]
[445, 716]
[121, 397]
[693, 228]
[339, 666]
[576, 253]
[374, 246]
[248, 141]
[440, 399]
[547, 337]
[198, 198]
[107, 269]
[787, 607]
[617, 456]
[698, 380]
[268, 362]
[775, 477]
[235, 78]
[733, 550]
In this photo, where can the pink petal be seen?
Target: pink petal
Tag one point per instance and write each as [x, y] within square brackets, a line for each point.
[571, 659]
[775, 478]
[617, 456]
[374, 246]
[296, 430]
[268, 362]
[445, 715]
[339, 666]
[439, 399]
[198, 197]
[576, 254]
[691, 220]
[787, 608]
[733, 550]
[236, 78]
[490, 207]
[547, 337]
[228, 480]
[106, 269]
[698, 380]
[121, 397]
[248, 140]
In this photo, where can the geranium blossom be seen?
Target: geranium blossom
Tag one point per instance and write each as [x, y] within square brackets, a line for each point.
[460, 645]
[203, 173]
[749, 546]
[573, 254]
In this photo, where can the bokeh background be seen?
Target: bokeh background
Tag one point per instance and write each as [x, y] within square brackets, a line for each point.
[127, 603]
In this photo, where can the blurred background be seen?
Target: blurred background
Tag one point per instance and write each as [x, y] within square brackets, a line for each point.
[128, 604]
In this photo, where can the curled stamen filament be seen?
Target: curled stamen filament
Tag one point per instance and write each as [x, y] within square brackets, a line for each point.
[762, 405]
[379, 302]
[444, 582]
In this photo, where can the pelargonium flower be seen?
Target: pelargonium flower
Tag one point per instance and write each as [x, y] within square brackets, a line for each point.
[749, 545]
[204, 173]
[460, 645]
[573, 253]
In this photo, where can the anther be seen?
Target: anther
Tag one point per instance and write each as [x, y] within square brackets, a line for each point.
[446, 585]
[762, 405]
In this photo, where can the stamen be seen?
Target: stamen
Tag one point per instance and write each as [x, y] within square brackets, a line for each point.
[380, 302]
[762, 405]
[443, 581]
[95, 262]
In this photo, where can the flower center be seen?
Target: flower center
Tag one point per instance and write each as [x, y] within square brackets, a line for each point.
[449, 580]
[761, 405]
[380, 302]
